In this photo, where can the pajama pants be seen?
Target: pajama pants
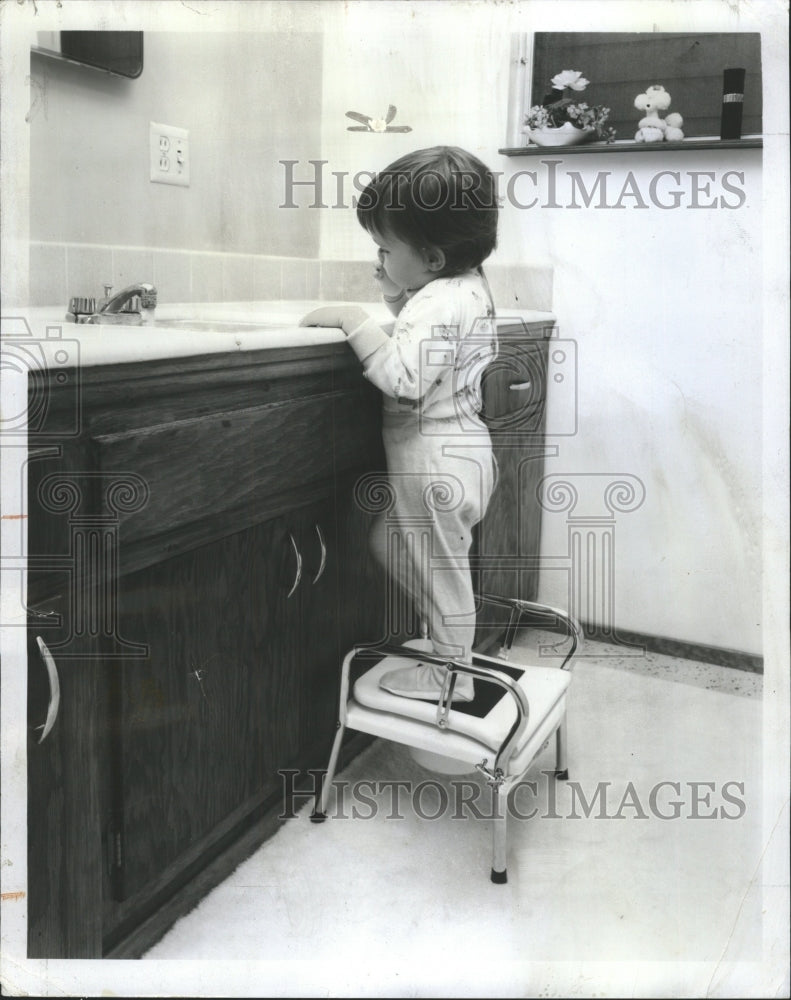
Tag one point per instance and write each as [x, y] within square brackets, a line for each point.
[441, 479]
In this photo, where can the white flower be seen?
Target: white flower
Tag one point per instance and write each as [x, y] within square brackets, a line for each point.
[569, 78]
[377, 125]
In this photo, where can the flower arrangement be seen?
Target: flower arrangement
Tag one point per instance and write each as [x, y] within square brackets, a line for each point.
[556, 109]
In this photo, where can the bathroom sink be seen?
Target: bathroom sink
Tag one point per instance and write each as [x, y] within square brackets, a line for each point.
[180, 329]
[221, 325]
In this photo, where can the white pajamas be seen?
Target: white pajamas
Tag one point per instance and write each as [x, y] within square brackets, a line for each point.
[439, 454]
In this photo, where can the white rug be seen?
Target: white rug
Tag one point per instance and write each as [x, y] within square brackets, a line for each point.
[411, 897]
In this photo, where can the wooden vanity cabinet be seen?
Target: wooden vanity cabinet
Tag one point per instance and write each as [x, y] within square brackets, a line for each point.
[506, 543]
[190, 538]
[200, 543]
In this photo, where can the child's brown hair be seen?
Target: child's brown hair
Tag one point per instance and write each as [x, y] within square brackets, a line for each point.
[442, 197]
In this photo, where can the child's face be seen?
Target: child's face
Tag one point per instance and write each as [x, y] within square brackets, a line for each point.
[403, 264]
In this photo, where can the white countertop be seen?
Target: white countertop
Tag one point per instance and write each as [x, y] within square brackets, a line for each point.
[249, 326]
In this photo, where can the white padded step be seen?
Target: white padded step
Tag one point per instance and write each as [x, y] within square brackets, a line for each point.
[544, 687]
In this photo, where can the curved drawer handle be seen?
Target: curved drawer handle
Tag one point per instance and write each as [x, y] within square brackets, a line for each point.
[521, 386]
[43, 614]
[323, 562]
[54, 689]
[298, 574]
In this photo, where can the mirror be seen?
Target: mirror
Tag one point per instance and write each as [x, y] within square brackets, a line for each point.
[116, 52]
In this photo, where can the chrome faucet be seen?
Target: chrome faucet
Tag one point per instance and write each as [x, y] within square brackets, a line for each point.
[132, 306]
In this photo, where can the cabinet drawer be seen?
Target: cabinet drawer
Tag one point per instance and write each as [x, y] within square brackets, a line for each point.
[514, 388]
[227, 462]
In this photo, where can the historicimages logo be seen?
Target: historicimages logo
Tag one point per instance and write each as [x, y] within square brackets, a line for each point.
[312, 184]
[539, 797]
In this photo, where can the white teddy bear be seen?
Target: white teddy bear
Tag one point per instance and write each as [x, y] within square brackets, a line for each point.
[652, 128]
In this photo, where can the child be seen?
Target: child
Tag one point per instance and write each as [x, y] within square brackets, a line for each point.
[433, 215]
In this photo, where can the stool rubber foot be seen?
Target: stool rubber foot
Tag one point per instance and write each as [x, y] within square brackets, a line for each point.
[499, 878]
[317, 817]
[562, 775]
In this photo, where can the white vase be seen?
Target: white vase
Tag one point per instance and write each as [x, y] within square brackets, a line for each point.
[564, 135]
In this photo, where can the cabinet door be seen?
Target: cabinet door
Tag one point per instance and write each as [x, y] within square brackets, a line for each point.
[362, 582]
[320, 608]
[329, 615]
[506, 543]
[64, 844]
[206, 718]
[342, 605]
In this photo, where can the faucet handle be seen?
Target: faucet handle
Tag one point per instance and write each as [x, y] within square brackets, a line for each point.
[80, 305]
[148, 297]
[107, 290]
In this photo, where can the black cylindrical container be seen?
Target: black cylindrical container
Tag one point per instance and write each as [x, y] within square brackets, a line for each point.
[732, 104]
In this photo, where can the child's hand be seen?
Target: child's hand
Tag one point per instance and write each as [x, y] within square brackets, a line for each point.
[344, 317]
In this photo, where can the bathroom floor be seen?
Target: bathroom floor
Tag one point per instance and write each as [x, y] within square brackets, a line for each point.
[654, 889]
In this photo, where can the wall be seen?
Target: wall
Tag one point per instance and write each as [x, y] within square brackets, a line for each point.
[663, 305]
[249, 99]
[244, 96]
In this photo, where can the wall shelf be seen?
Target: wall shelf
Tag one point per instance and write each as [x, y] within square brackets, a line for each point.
[686, 145]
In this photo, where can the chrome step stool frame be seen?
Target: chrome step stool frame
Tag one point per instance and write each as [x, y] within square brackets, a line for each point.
[499, 776]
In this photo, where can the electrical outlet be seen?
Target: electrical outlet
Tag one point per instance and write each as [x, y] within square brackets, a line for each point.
[169, 155]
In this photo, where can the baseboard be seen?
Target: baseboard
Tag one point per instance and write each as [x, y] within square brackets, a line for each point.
[734, 658]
